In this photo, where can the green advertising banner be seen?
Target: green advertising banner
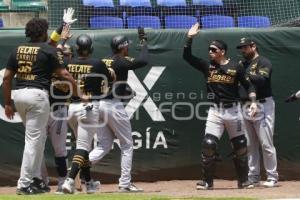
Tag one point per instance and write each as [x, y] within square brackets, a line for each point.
[168, 118]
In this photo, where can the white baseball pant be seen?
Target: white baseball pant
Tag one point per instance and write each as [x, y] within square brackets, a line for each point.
[260, 133]
[114, 123]
[33, 106]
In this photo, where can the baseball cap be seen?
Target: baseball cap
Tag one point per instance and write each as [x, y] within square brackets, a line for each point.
[245, 42]
[219, 44]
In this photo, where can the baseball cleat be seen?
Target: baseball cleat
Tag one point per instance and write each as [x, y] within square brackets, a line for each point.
[27, 191]
[246, 185]
[92, 186]
[39, 185]
[69, 186]
[270, 183]
[130, 188]
[203, 185]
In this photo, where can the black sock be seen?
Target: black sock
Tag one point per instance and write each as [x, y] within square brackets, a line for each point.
[78, 162]
[61, 166]
[85, 171]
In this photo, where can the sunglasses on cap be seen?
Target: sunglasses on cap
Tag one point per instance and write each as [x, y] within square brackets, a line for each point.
[212, 49]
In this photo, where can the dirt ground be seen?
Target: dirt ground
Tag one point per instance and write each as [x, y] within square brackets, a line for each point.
[186, 188]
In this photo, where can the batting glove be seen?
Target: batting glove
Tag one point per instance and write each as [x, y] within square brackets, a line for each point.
[68, 16]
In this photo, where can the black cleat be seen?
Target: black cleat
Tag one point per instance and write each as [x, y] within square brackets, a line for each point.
[39, 185]
[203, 185]
[246, 185]
[27, 191]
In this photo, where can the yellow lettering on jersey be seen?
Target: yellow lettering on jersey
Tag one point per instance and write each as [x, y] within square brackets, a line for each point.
[219, 78]
[26, 53]
[60, 57]
[28, 77]
[24, 67]
[79, 69]
[28, 50]
[129, 58]
[108, 62]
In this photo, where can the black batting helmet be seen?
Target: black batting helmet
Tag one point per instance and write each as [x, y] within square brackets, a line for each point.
[84, 44]
[119, 42]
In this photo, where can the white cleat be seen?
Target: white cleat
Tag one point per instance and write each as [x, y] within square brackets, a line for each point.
[68, 186]
[270, 183]
[60, 181]
[130, 188]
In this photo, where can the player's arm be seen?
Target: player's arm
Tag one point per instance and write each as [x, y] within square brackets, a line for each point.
[67, 20]
[197, 63]
[10, 71]
[64, 74]
[59, 69]
[7, 80]
[262, 74]
[293, 97]
[246, 83]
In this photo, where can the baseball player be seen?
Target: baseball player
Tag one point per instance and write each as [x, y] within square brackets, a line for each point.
[260, 130]
[93, 76]
[33, 63]
[57, 127]
[293, 97]
[222, 79]
[118, 123]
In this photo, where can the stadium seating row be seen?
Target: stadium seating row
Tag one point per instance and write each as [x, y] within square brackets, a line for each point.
[147, 3]
[178, 21]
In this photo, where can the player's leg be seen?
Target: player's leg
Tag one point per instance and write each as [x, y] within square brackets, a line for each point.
[105, 138]
[119, 122]
[58, 134]
[36, 113]
[265, 130]
[87, 122]
[253, 152]
[235, 127]
[213, 132]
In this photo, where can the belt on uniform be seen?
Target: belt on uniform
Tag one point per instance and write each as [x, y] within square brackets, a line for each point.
[262, 100]
[226, 105]
[258, 100]
[31, 87]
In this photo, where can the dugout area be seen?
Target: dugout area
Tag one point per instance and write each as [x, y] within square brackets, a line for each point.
[169, 147]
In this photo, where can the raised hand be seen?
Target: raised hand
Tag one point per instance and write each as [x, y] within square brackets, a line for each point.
[68, 16]
[194, 30]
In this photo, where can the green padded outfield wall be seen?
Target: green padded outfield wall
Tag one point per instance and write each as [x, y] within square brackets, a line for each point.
[168, 140]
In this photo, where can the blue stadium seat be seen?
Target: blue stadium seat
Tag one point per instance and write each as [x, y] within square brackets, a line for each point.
[217, 21]
[1, 23]
[98, 3]
[170, 3]
[208, 2]
[135, 3]
[179, 21]
[103, 22]
[144, 21]
[254, 22]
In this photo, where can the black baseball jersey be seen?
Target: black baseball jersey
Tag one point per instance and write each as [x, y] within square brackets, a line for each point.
[60, 90]
[121, 66]
[222, 80]
[34, 64]
[90, 73]
[259, 71]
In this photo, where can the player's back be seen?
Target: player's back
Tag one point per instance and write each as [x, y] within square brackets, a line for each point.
[91, 74]
[34, 64]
